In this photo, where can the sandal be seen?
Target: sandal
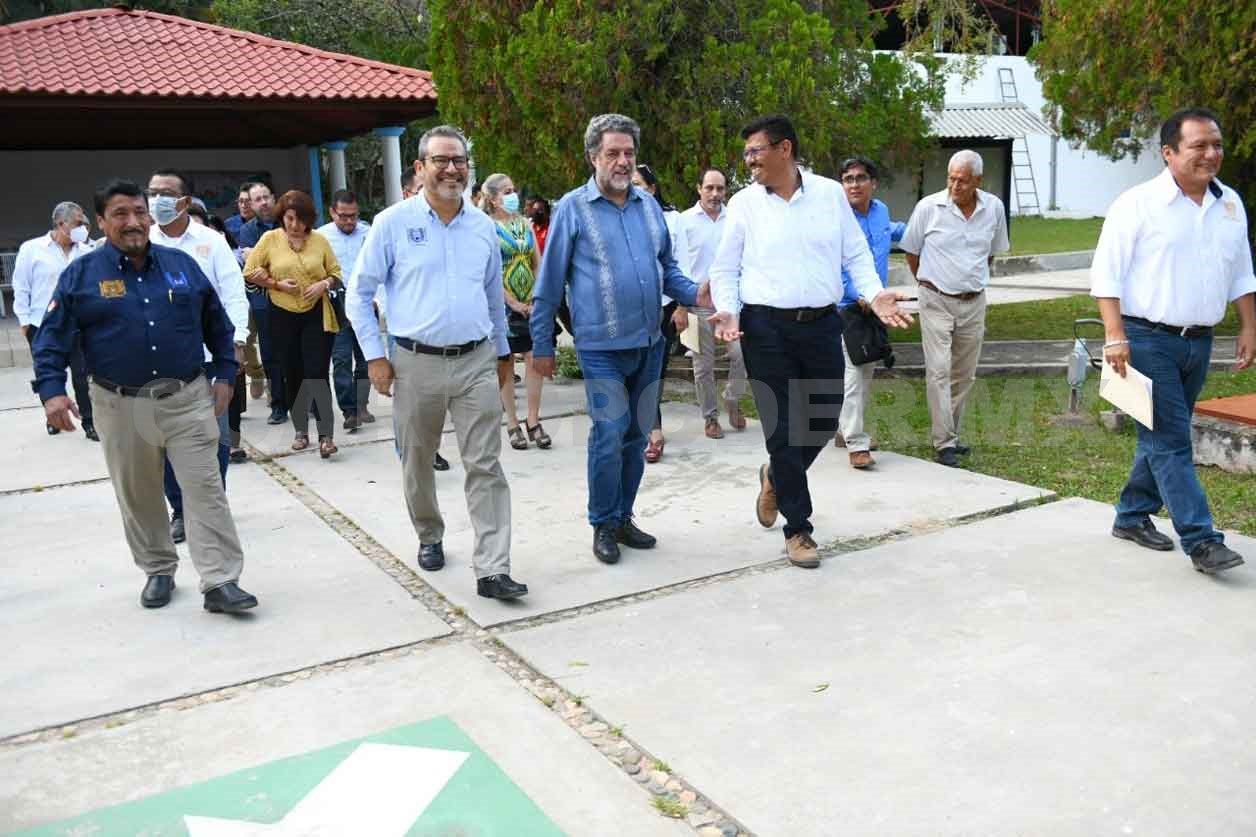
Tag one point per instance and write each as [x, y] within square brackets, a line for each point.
[301, 441]
[326, 447]
[654, 450]
[516, 438]
[539, 437]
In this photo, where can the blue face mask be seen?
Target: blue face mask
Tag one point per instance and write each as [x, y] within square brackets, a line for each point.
[510, 202]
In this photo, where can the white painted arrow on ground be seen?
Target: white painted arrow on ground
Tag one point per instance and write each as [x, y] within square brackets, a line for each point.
[380, 789]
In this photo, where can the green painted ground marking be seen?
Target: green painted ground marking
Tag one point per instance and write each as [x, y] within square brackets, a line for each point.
[372, 787]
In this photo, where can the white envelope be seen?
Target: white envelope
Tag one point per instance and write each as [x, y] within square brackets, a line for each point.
[1131, 394]
[689, 337]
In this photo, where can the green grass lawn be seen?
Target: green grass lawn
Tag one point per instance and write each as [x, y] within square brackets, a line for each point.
[1050, 319]
[1007, 425]
[1033, 235]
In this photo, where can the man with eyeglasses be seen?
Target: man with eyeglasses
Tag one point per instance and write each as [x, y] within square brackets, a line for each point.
[244, 212]
[609, 253]
[778, 278]
[438, 259]
[346, 233]
[859, 180]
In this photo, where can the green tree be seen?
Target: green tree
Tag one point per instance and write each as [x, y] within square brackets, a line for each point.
[523, 78]
[1112, 70]
[11, 11]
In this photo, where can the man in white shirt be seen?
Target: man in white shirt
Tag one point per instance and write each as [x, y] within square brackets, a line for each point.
[35, 273]
[1172, 254]
[777, 279]
[704, 224]
[446, 310]
[169, 196]
[950, 243]
[345, 233]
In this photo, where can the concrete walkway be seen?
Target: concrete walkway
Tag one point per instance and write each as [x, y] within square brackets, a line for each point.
[972, 657]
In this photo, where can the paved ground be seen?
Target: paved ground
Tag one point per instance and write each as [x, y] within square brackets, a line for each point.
[971, 658]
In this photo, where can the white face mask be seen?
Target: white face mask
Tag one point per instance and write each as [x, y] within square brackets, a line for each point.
[164, 209]
[79, 234]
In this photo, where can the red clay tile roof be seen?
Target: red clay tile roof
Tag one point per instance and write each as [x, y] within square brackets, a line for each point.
[115, 52]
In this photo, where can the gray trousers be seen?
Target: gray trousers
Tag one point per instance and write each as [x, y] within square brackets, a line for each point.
[858, 385]
[704, 368]
[137, 435]
[951, 331]
[425, 389]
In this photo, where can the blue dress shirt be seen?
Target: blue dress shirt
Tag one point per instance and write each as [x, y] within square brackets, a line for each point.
[614, 264]
[137, 325]
[881, 232]
[250, 233]
[233, 225]
[443, 282]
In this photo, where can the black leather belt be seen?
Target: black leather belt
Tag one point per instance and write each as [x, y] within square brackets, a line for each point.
[158, 390]
[796, 315]
[1184, 331]
[444, 351]
[965, 296]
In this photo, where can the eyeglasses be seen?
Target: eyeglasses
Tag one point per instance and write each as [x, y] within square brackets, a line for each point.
[441, 161]
[756, 150]
[855, 179]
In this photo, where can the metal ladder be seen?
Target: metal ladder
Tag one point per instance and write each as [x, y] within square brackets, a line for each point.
[1023, 182]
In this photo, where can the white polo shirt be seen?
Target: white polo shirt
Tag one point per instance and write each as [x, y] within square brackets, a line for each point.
[213, 256]
[790, 254]
[1170, 260]
[703, 233]
[35, 274]
[955, 251]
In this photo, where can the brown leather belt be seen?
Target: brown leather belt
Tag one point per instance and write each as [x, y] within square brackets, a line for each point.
[925, 283]
[797, 315]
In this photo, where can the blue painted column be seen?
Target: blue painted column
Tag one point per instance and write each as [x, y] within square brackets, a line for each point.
[390, 140]
[316, 181]
[336, 176]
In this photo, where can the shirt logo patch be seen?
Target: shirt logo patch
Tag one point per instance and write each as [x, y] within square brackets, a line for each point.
[112, 288]
[1231, 210]
[417, 235]
[52, 306]
[176, 280]
[202, 250]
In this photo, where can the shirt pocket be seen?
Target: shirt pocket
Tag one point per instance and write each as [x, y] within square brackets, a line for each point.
[185, 311]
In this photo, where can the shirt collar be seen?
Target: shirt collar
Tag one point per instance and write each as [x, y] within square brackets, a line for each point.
[592, 192]
[425, 208]
[872, 208]
[1168, 190]
[120, 260]
[697, 209]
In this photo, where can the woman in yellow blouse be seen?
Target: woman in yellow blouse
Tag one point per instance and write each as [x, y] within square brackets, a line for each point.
[297, 266]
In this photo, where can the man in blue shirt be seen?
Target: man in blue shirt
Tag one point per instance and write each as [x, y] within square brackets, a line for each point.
[244, 212]
[608, 251]
[263, 200]
[152, 397]
[345, 233]
[859, 181]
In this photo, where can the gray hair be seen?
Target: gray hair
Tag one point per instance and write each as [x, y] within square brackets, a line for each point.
[492, 185]
[64, 211]
[967, 158]
[609, 123]
[447, 131]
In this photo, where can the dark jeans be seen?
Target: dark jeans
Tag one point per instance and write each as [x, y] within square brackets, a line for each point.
[239, 405]
[1164, 466]
[348, 367]
[619, 386]
[271, 362]
[78, 375]
[304, 352]
[670, 338]
[796, 374]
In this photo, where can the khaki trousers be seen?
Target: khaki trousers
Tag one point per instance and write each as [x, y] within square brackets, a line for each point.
[858, 384]
[137, 435]
[704, 368]
[427, 387]
[951, 331]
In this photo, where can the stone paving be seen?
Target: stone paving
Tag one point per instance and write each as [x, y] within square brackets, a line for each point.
[973, 656]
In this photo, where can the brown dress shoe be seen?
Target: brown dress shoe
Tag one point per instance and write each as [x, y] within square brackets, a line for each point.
[861, 459]
[802, 551]
[713, 429]
[736, 419]
[765, 508]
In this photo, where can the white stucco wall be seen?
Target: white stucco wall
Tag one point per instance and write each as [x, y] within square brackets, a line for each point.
[37, 180]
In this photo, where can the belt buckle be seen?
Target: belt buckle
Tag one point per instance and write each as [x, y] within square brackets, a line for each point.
[451, 351]
[801, 315]
[1186, 331]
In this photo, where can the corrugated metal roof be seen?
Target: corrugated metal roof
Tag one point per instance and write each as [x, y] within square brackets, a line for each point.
[1007, 119]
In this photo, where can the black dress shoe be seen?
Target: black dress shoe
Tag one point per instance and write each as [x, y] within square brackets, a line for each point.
[229, 598]
[1214, 556]
[89, 430]
[500, 587]
[439, 463]
[604, 546]
[278, 415]
[52, 431]
[629, 535]
[962, 450]
[431, 556]
[352, 422]
[947, 457]
[1144, 534]
[178, 533]
[157, 591]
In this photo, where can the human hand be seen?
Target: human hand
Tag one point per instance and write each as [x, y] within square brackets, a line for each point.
[26, 330]
[1245, 348]
[885, 306]
[380, 371]
[315, 290]
[223, 391]
[288, 286]
[239, 355]
[544, 366]
[57, 412]
[680, 318]
[725, 326]
[258, 276]
[1116, 352]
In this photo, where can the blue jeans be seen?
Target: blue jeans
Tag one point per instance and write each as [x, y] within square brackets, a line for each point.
[1164, 467]
[260, 306]
[174, 494]
[348, 369]
[620, 388]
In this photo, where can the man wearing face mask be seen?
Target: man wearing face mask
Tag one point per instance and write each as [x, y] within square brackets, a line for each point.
[169, 197]
[263, 200]
[39, 264]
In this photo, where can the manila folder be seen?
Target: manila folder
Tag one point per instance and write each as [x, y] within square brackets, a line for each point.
[1131, 394]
